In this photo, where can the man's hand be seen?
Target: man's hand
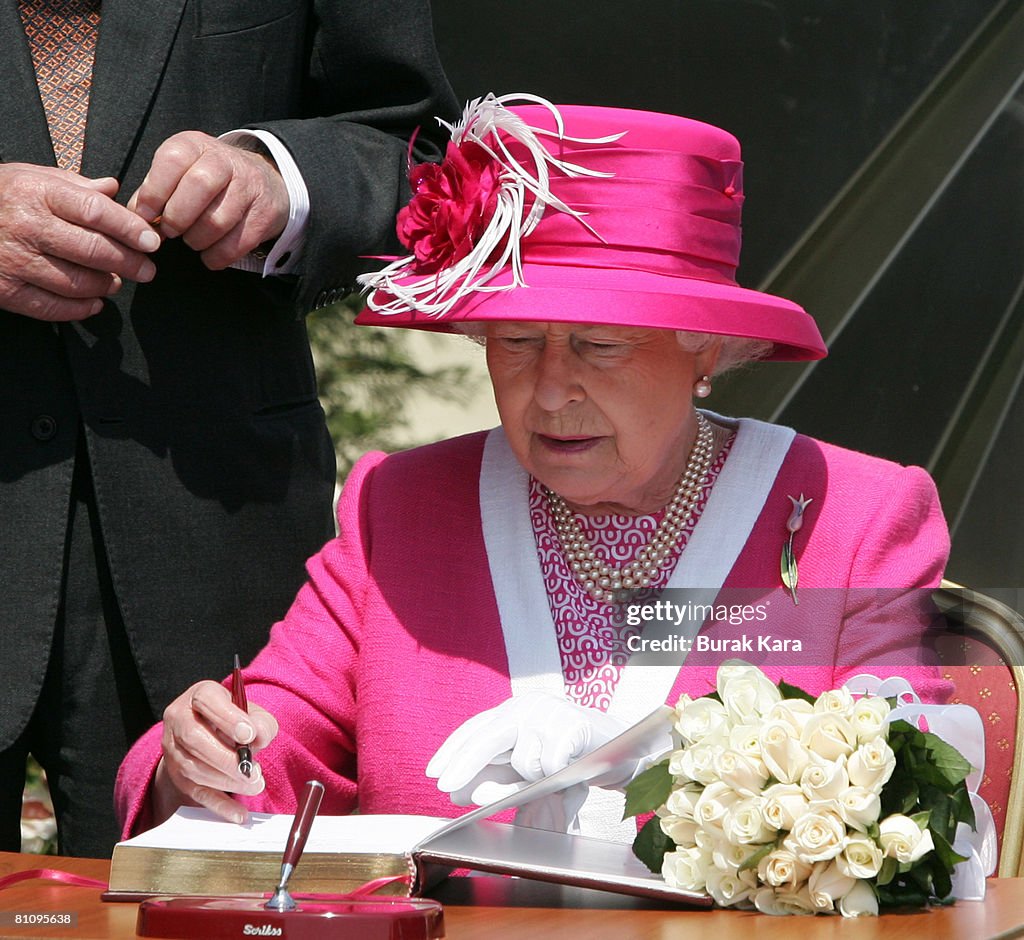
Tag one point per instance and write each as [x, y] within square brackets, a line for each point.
[223, 201]
[65, 244]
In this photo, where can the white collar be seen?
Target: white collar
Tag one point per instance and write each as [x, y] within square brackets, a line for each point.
[734, 505]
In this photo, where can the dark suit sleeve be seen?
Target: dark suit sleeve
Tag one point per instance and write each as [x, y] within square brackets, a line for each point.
[374, 78]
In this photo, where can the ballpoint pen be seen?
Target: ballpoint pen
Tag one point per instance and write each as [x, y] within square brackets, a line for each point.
[309, 803]
[238, 699]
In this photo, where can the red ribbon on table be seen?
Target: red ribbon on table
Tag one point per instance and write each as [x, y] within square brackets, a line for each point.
[52, 874]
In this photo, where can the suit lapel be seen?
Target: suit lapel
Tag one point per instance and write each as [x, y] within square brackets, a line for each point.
[135, 39]
[24, 136]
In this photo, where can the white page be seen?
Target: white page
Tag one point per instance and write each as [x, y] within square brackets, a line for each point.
[193, 827]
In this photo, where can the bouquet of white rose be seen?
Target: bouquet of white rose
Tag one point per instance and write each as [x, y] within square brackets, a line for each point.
[790, 803]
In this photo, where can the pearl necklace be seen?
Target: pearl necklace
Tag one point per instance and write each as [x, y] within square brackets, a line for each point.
[606, 584]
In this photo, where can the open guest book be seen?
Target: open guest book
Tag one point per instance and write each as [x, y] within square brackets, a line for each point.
[196, 853]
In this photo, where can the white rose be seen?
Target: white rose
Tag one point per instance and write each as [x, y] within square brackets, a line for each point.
[712, 804]
[871, 765]
[824, 779]
[860, 858]
[901, 837]
[859, 807]
[781, 868]
[860, 902]
[697, 762]
[746, 739]
[725, 854]
[794, 711]
[742, 773]
[682, 800]
[744, 823]
[680, 830]
[784, 804]
[681, 703]
[770, 901]
[701, 718]
[733, 669]
[745, 691]
[729, 887]
[868, 718]
[708, 837]
[827, 884]
[836, 702]
[829, 735]
[816, 836]
[782, 753]
[685, 868]
[675, 761]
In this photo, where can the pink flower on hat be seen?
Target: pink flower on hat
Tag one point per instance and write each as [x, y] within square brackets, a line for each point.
[469, 215]
[452, 204]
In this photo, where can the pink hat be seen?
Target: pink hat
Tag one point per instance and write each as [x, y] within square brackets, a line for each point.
[581, 215]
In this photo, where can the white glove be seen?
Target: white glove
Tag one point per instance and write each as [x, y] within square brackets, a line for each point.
[523, 739]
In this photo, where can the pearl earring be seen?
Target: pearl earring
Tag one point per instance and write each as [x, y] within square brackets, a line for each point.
[702, 387]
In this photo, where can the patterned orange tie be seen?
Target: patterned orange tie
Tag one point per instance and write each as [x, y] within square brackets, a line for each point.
[62, 39]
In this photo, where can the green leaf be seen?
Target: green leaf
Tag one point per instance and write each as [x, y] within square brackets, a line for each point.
[920, 874]
[786, 565]
[900, 794]
[964, 809]
[902, 893]
[947, 760]
[940, 810]
[903, 896]
[648, 790]
[942, 882]
[752, 860]
[651, 845]
[946, 855]
[921, 819]
[902, 727]
[888, 871]
[793, 691]
[789, 573]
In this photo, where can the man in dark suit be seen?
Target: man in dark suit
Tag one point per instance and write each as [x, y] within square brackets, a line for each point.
[164, 464]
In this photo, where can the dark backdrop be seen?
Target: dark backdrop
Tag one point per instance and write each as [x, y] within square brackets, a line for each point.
[810, 87]
[843, 110]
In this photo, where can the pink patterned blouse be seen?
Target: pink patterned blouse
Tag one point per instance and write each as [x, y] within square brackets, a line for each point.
[591, 640]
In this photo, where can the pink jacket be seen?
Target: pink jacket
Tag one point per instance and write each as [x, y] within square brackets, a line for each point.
[395, 639]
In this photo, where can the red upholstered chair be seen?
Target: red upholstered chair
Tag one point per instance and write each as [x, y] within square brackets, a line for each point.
[983, 656]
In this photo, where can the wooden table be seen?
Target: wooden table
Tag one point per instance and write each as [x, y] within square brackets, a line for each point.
[489, 907]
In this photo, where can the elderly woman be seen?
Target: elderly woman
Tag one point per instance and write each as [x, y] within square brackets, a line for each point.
[526, 592]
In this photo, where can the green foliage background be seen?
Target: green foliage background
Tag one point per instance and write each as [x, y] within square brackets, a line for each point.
[367, 377]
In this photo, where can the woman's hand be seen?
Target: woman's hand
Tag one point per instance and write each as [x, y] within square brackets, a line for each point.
[527, 737]
[202, 731]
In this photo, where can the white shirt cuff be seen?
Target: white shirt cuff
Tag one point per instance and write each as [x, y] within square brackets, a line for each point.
[286, 251]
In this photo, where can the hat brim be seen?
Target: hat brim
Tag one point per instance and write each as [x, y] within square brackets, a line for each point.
[562, 294]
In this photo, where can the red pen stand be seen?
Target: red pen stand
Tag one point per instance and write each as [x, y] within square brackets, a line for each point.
[231, 918]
